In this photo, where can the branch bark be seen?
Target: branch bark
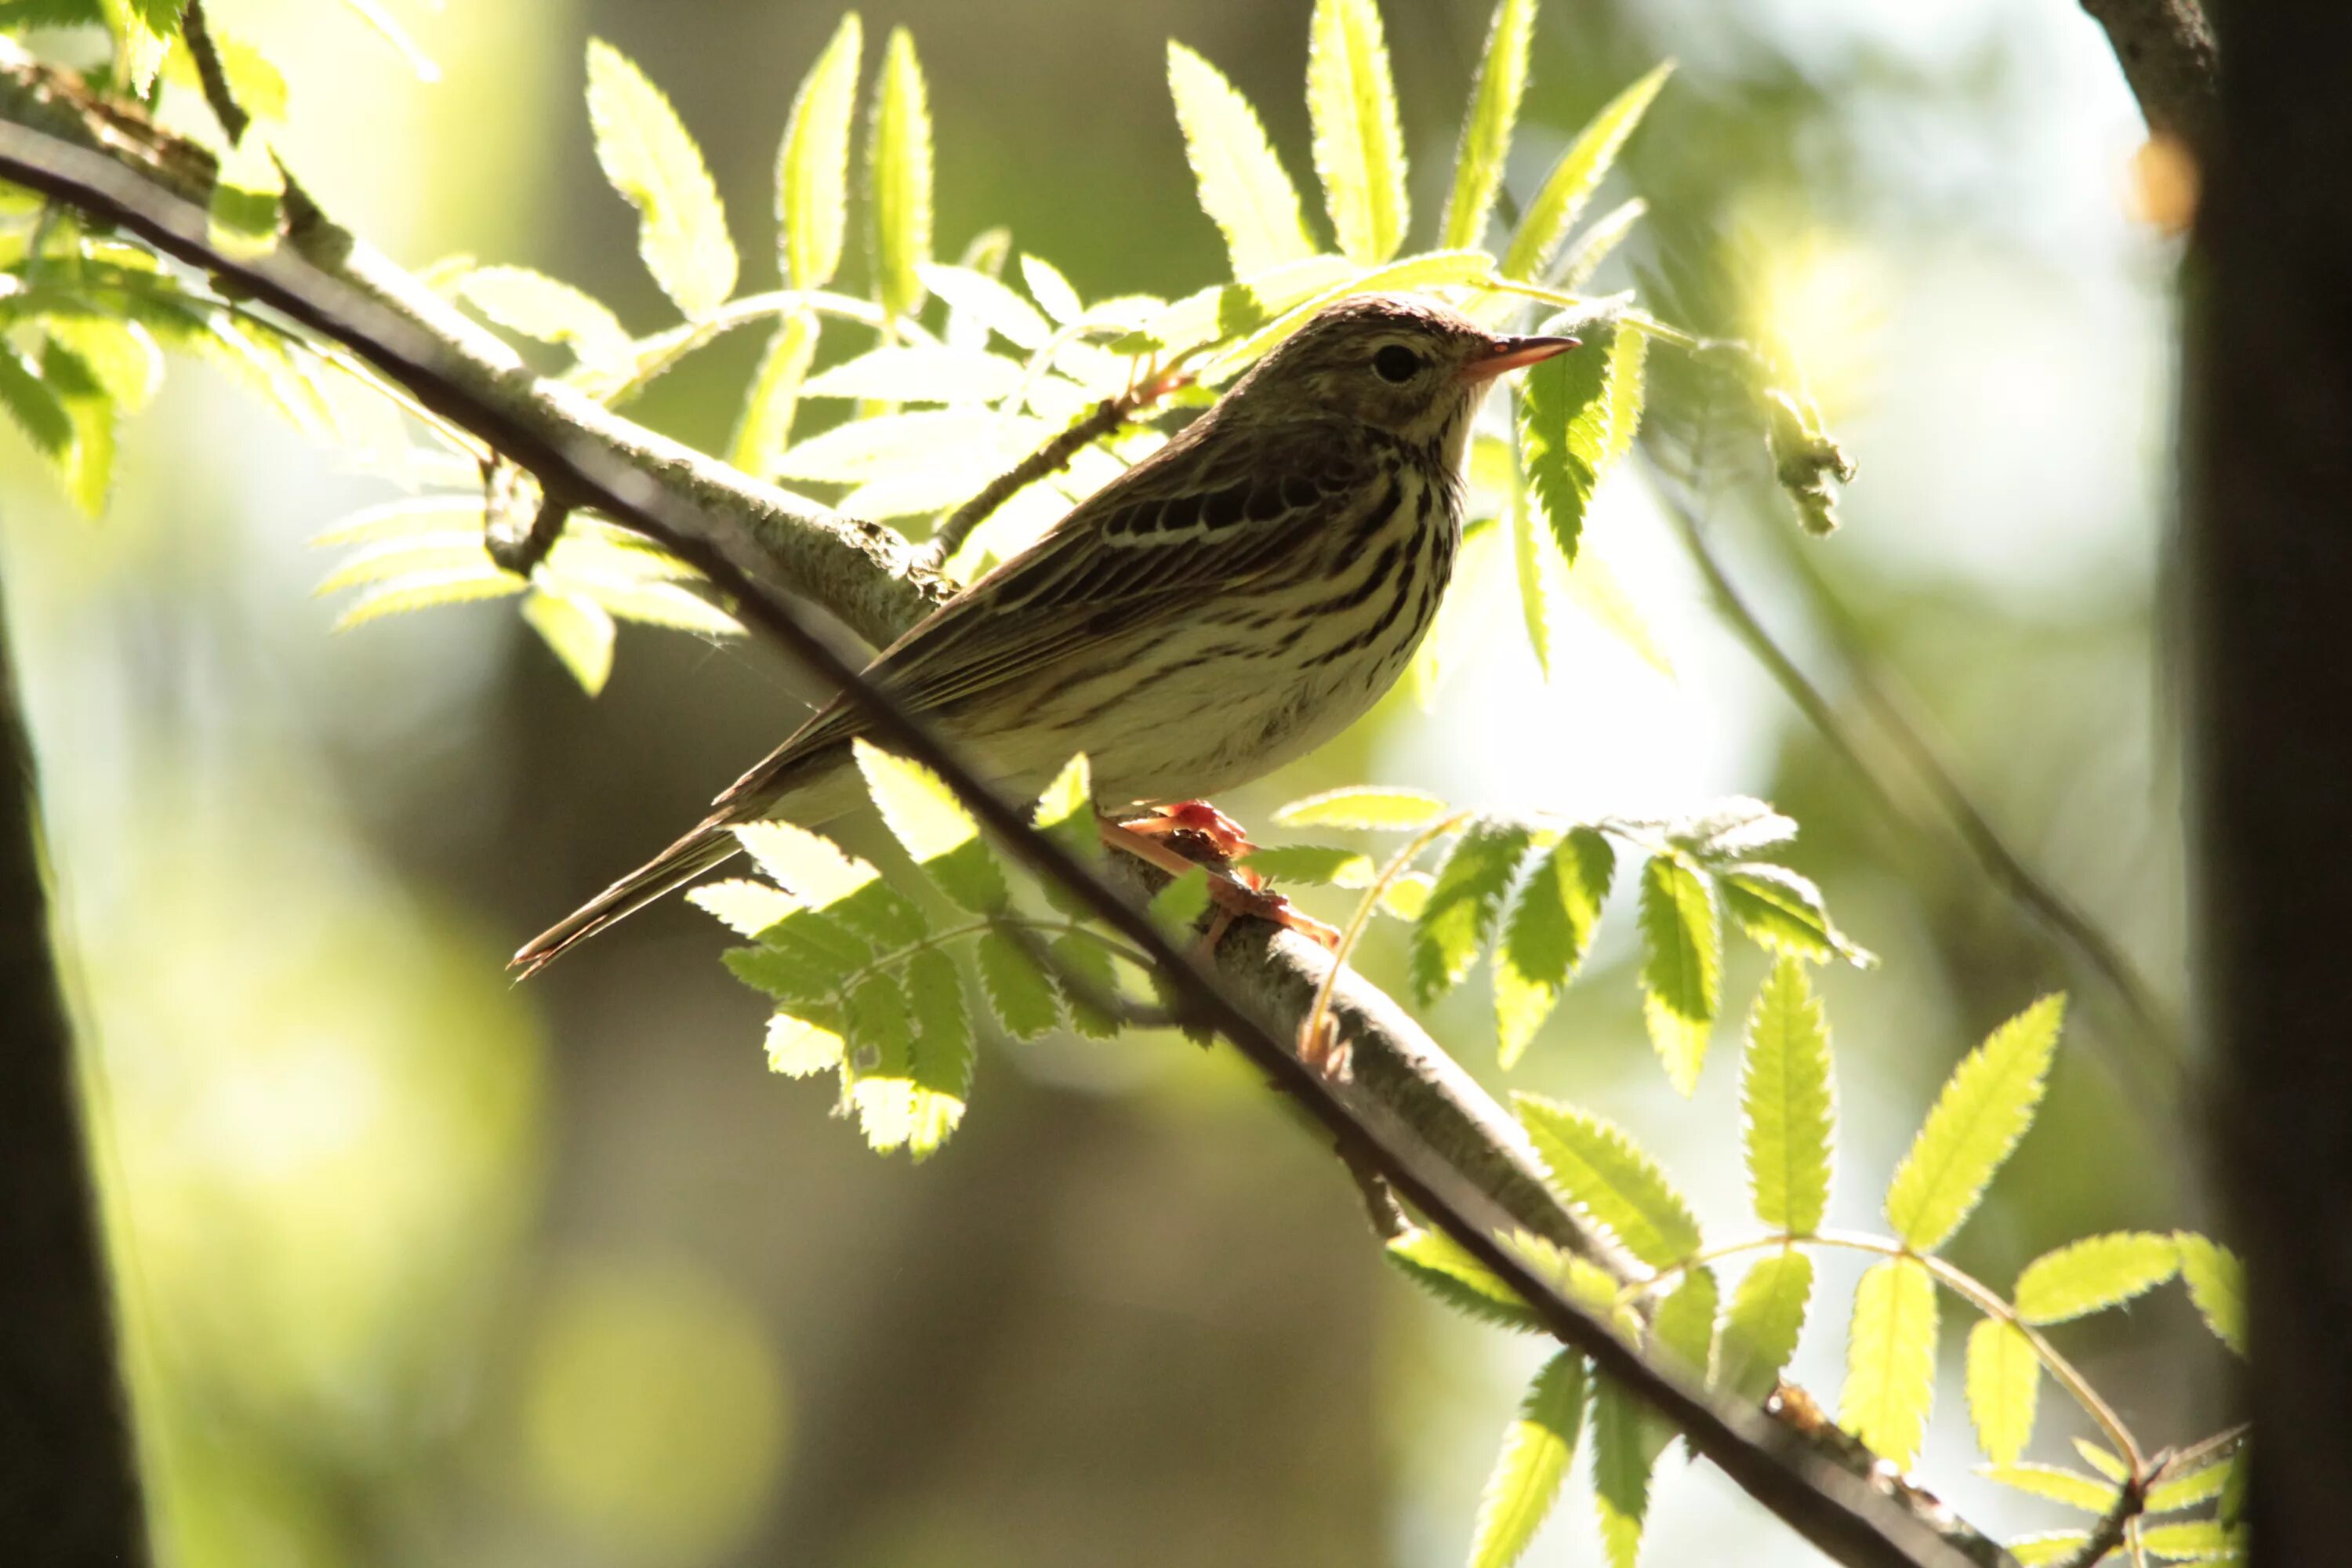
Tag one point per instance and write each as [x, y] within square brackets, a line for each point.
[1410, 1112]
[68, 1487]
[2167, 50]
[2268, 552]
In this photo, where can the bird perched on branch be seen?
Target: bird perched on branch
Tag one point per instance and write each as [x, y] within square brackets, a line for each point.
[1228, 604]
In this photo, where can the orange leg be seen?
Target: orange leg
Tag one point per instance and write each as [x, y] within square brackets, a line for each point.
[1147, 841]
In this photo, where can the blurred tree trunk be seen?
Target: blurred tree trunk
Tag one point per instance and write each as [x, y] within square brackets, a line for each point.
[2269, 552]
[68, 1492]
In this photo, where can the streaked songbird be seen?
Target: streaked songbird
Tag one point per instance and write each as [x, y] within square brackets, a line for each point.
[1228, 604]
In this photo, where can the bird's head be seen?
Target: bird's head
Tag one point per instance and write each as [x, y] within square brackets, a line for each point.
[1411, 367]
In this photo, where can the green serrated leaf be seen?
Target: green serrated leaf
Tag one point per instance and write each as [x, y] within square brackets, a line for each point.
[743, 904]
[1435, 1262]
[1682, 966]
[2004, 1385]
[143, 33]
[763, 430]
[1594, 244]
[553, 312]
[1982, 1112]
[1786, 913]
[2094, 1274]
[385, 25]
[925, 817]
[1359, 146]
[1790, 1102]
[651, 160]
[1321, 864]
[2044, 1547]
[931, 373]
[122, 354]
[1242, 184]
[813, 164]
[915, 1095]
[87, 464]
[2217, 1283]
[1534, 1460]
[1759, 1334]
[2191, 1541]
[802, 962]
[1890, 1359]
[1227, 310]
[863, 448]
[1684, 1329]
[1407, 895]
[577, 630]
[1547, 934]
[1019, 993]
[898, 175]
[423, 590]
[1487, 130]
[2111, 1466]
[1065, 813]
[1626, 1443]
[1600, 1166]
[1573, 179]
[2201, 1482]
[1542, 573]
[1463, 905]
[33, 406]
[800, 1046]
[1363, 806]
[989, 303]
[2056, 1483]
[812, 866]
[1082, 958]
[1051, 289]
[1178, 907]
[246, 194]
[1578, 412]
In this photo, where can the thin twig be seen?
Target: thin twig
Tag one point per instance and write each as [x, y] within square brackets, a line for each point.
[210, 73]
[2002, 865]
[1104, 419]
[2131, 1501]
[1838, 1512]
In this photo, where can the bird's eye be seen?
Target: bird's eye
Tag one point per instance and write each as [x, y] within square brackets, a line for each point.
[1396, 363]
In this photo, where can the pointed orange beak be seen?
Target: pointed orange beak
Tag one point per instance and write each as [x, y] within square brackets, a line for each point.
[1511, 353]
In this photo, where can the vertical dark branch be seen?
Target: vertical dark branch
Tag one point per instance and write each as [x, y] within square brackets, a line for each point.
[69, 1493]
[2269, 559]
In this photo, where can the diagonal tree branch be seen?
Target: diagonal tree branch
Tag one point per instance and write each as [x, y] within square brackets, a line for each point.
[2166, 47]
[1410, 1113]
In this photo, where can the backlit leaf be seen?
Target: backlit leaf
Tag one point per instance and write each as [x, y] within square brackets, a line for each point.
[1363, 807]
[553, 312]
[2191, 1541]
[1317, 863]
[1982, 1112]
[764, 429]
[1242, 184]
[1084, 974]
[914, 1096]
[1596, 1163]
[650, 158]
[813, 164]
[1684, 1329]
[800, 1046]
[246, 194]
[744, 904]
[1759, 1334]
[925, 817]
[32, 404]
[1463, 904]
[2094, 1274]
[1437, 1263]
[578, 630]
[1890, 1378]
[1790, 1102]
[2217, 1283]
[1785, 913]
[1626, 1443]
[1533, 1462]
[1682, 966]
[1578, 412]
[1573, 179]
[899, 175]
[2004, 1385]
[1019, 993]
[1547, 934]
[928, 373]
[1486, 130]
[990, 303]
[1051, 289]
[2056, 1483]
[1358, 147]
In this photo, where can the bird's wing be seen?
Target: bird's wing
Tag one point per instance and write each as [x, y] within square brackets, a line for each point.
[1213, 510]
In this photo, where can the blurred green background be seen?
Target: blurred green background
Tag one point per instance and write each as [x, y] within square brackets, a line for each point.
[423, 1269]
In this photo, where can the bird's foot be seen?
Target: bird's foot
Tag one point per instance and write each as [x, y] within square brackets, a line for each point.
[1177, 839]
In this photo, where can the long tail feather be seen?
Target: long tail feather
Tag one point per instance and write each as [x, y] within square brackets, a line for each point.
[707, 845]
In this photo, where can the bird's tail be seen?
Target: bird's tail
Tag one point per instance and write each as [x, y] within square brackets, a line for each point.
[707, 845]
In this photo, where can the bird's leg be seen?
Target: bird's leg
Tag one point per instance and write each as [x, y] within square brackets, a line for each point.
[1177, 839]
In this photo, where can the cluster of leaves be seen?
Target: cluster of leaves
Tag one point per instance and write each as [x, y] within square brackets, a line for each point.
[1533, 890]
[1674, 1305]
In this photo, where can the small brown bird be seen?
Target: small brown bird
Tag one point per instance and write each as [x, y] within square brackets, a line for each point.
[1229, 603]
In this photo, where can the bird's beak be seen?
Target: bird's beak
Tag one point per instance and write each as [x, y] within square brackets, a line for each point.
[1511, 353]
